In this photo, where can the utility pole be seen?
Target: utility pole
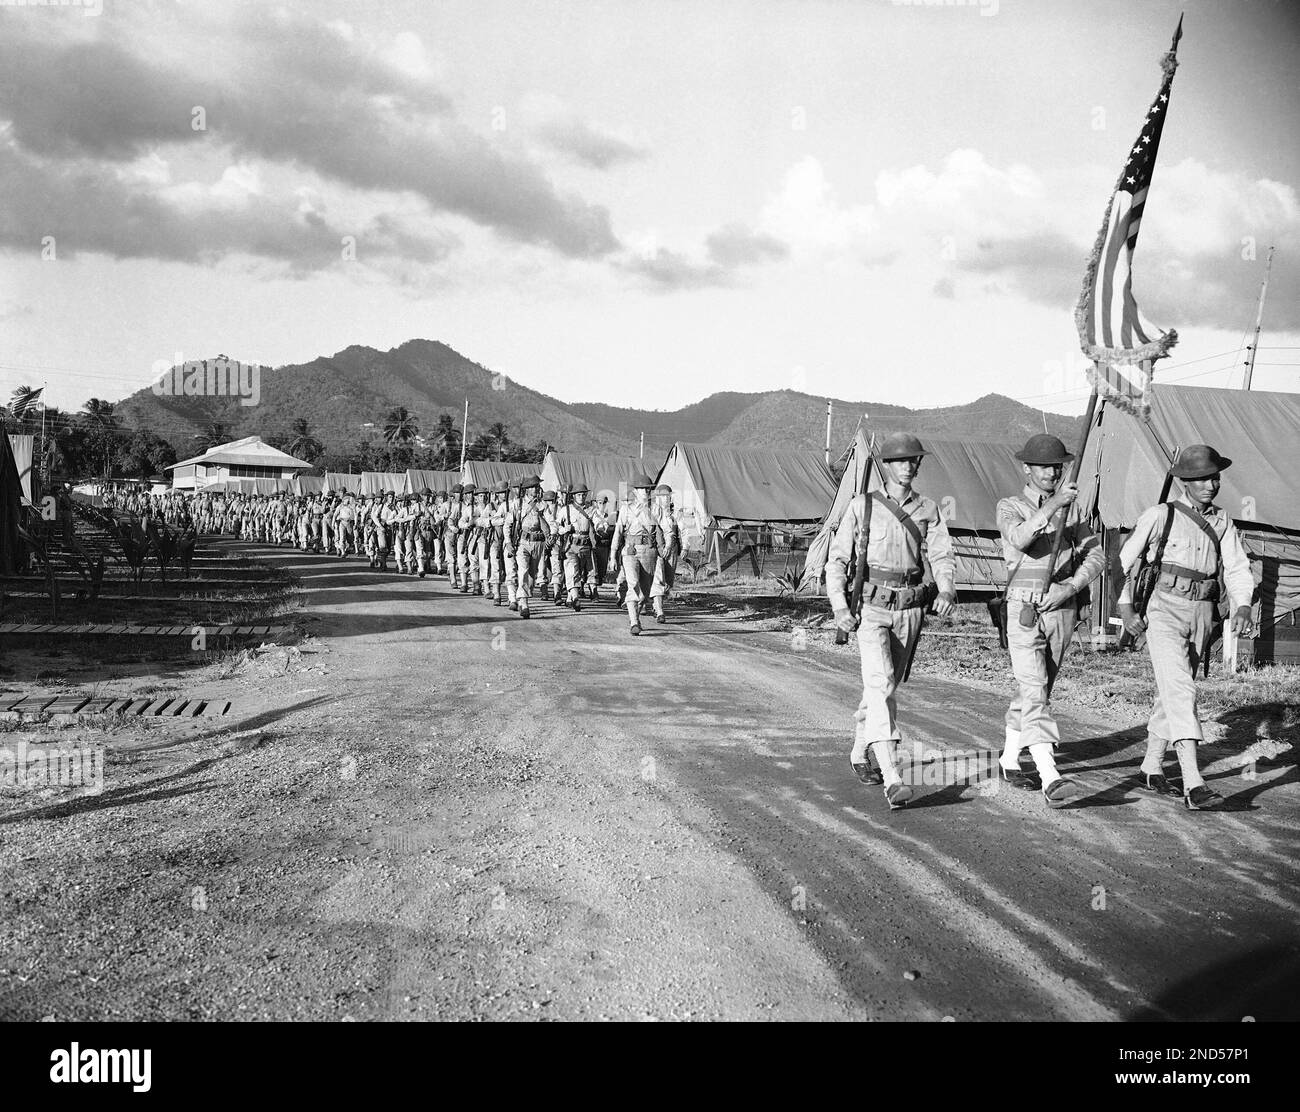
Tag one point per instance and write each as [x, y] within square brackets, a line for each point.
[830, 408]
[1259, 318]
[464, 432]
[643, 447]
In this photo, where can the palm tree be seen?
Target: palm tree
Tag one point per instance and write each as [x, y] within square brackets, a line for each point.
[401, 427]
[302, 444]
[446, 443]
[498, 439]
[98, 416]
[217, 432]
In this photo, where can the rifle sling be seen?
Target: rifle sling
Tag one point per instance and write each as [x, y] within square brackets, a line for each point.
[903, 519]
[1199, 521]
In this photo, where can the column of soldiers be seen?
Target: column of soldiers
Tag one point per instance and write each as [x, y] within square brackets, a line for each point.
[508, 544]
[907, 558]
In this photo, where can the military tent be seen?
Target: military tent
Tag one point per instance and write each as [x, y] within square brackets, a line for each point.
[336, 482]
[965, 478]
[603, 475]
[307, 484]
[21, 448]
[418, 481]
[1260, 432]
[487, 473]
[751, 499]
[745, 486]
[381, 482]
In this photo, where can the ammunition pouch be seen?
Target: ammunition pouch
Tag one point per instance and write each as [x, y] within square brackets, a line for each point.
[1195, 586]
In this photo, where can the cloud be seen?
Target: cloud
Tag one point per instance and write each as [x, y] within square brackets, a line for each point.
[89, 207]
[579, 141]
[727, 251]
[736, 245]
[1029, 235]
[294, 92]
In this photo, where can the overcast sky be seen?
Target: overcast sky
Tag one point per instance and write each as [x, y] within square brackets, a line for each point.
[640, 202]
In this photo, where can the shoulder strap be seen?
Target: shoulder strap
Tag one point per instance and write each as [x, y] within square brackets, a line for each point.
[1196, 520]
[904, 519]
[1164, 536]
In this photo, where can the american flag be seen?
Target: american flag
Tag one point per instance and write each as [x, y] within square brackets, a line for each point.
[1115, 336]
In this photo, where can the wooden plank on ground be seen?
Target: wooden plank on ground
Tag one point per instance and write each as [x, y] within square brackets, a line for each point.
[118, 706]
[136, 706]
[10, 699]
[215, 708]
[97, 705]
[177, 709]
[193, 708]
[67, 704]
[226, 631]
[33, 704]
[157, 707]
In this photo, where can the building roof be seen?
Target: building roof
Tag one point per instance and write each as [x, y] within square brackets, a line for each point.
[748, 485]
[252, 451]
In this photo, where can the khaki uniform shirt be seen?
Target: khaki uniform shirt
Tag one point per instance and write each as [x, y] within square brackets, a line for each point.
[1028, 535]
[889, 545]
[1189, 547]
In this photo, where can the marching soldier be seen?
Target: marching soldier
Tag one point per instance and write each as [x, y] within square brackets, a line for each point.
[603, 519]
[498, 518]
[464, 527]
[345, 523]
[640, 538]
[479, 542]
[666, 570]
[530, 533]
[1041, 616]
[424, 534]
[552, 573]
[1191, 540]
[578, 533]
[903, 530]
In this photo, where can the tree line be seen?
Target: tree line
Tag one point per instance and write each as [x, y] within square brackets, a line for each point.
[91, 443]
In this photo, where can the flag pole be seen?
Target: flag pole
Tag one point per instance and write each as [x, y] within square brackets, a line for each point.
[1028, 612]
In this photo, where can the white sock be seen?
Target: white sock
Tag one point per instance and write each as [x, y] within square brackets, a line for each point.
[1044, 762]
[1011, 751]
[884, 751]
[1185, 750]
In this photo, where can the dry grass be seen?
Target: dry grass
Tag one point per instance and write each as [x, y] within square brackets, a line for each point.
[965, 646]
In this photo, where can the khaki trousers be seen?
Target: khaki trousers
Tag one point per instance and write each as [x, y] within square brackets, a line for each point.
[1036, 655]
[885, 641]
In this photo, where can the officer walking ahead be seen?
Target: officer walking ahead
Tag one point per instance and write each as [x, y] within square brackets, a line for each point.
[1190, 539]
[1028, 522]
[902, 529]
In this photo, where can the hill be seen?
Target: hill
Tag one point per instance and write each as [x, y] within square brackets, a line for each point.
[340, 395]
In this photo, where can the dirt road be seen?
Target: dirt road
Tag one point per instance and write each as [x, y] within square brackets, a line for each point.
[437, 810]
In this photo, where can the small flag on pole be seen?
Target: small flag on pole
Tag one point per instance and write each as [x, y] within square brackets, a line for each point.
[1115, 336]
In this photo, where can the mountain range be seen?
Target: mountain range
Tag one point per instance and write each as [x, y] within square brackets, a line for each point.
[346, 397]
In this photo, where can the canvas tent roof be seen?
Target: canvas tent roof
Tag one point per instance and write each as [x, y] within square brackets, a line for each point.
[1258, 430]
[966, 478]
[252, 451]
[418, 481]
[307, 484]
[602, 474]
[381, 482]
[336, 482]
[486, 472]
[726, 486]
